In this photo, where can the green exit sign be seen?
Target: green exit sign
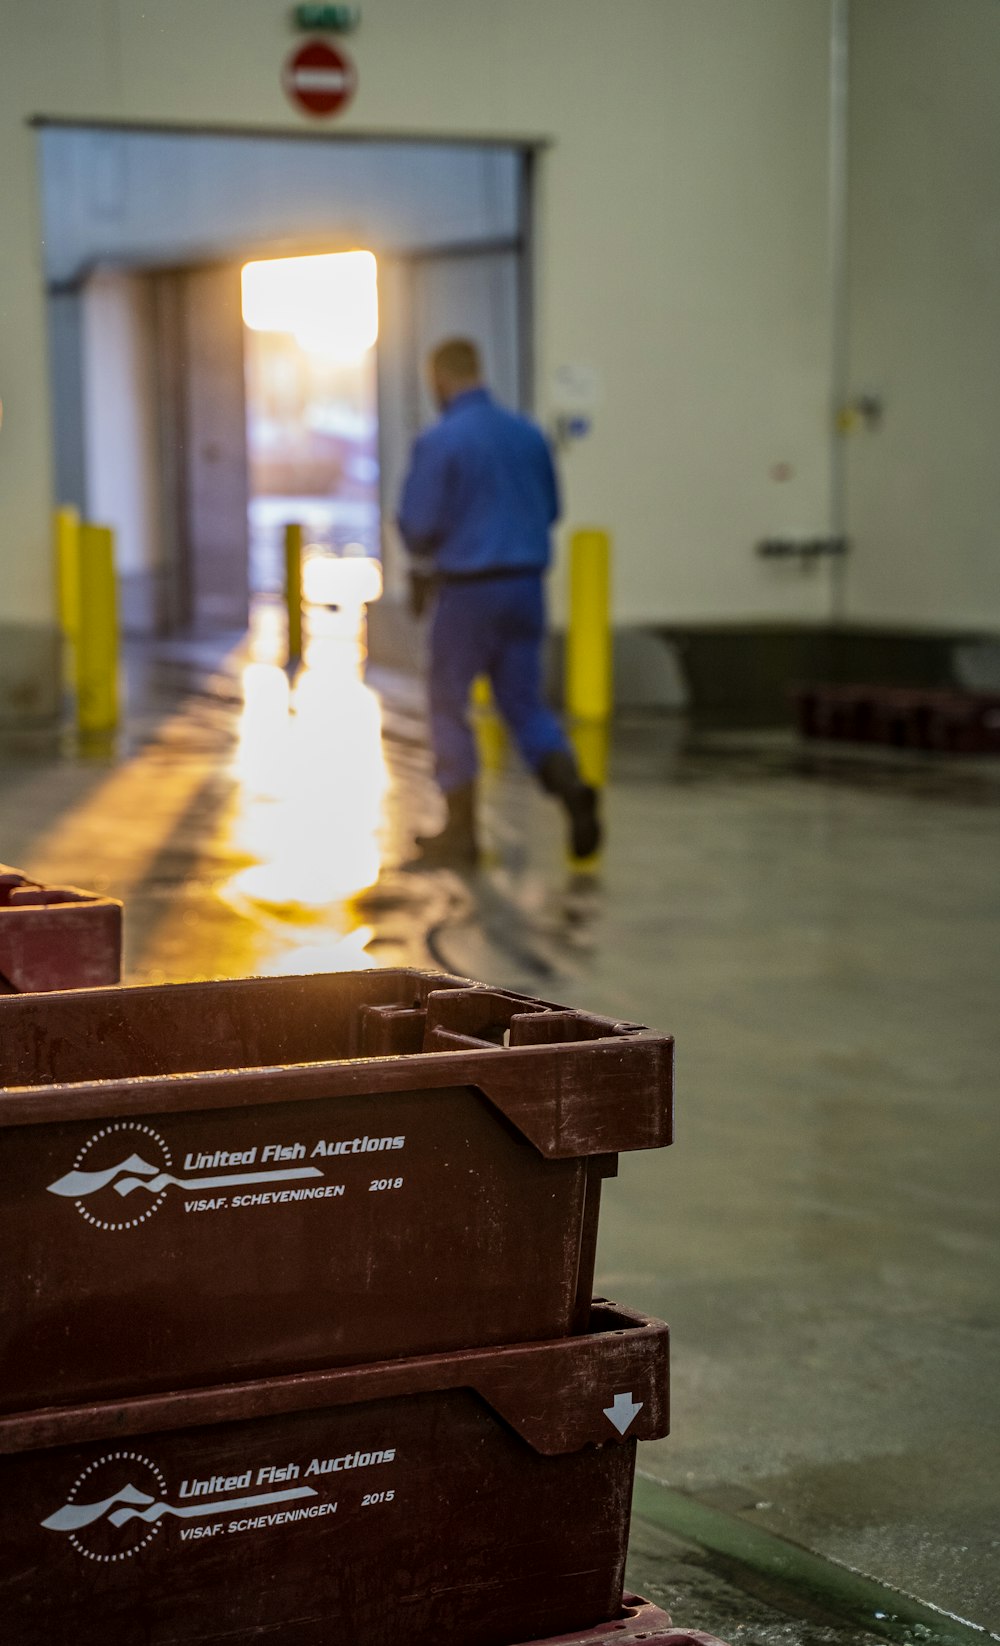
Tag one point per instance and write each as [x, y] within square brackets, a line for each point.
[332, 19]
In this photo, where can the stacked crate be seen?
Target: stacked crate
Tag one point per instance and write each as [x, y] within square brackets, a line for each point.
[298, 1340]
[942, 720]
[637, 1621]
[56, 937]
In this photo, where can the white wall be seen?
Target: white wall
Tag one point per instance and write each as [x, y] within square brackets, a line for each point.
[924, 488]
[684, 236]
[121, 440]
[681, 241]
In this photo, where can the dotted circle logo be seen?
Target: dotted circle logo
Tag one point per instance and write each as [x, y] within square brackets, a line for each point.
[120, 1152]
[110, 1497]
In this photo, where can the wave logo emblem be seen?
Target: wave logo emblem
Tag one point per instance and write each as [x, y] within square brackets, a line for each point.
[105, 1513]
[111, 1168]
[119, 1504]
[116, 1162]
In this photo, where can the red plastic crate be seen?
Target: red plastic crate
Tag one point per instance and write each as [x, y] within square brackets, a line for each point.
[637, 1621]
[56, 937]
[468, 1499]
[945, 719]
[202, 1182]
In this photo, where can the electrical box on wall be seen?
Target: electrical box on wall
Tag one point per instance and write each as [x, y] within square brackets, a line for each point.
[576, 394]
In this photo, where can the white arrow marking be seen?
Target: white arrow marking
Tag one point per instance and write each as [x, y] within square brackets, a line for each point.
[623, 1411]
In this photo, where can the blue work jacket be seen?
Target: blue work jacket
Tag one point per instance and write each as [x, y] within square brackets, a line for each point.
[481, 494]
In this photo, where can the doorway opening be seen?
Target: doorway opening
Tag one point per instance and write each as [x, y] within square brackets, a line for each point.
[195, 435]
[312, 416]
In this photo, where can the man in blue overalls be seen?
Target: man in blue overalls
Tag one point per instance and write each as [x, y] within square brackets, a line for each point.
[476, 513]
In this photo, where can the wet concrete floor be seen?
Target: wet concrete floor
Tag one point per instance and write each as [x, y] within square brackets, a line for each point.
[820, 932]
[699, 1590]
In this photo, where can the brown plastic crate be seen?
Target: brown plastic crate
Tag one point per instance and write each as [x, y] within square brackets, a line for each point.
[636, 1621]
[470, 1499]
[202, 1182]
[56, 937]
[945, 719]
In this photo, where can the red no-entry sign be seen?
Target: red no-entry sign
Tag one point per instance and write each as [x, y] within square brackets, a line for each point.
[320, 78]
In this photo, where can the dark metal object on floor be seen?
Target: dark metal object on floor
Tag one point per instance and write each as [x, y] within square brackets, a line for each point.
[249, 1178]
[944, 721]
[56, 937]
[465, 1499]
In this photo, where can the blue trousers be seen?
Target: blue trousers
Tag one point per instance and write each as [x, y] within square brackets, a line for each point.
[493, 627]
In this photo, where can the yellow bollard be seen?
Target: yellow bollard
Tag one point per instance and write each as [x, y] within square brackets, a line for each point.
[591, 740]
[97, 633]
[67, 542]
[293, 590]
[588, 640]
[66, 537]
[490, 734]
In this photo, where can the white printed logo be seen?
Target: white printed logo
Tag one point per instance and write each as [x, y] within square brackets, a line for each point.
[104, 1163]
[103, 1501]
[108, 1517]
[102, 1169]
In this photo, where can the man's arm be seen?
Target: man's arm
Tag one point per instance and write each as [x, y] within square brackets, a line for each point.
[421, 517]
[553, 498]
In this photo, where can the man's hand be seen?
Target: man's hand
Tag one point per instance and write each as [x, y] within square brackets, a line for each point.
[421, 590]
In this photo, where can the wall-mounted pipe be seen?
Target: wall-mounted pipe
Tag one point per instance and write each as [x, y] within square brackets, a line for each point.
[839, 295]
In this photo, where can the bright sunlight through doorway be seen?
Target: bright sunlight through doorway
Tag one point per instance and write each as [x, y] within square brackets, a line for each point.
[312, 417]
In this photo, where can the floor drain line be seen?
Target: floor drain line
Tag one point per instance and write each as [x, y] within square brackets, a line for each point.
[862, 1600]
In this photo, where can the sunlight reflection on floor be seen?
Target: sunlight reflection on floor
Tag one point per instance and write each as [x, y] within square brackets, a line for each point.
[312, 779]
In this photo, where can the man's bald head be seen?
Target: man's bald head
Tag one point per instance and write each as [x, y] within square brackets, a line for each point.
[454, 367]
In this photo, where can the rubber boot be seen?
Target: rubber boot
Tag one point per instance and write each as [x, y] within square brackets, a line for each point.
[559, 775]
[457, 846]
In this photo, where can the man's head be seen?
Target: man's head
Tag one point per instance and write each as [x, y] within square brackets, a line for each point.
[454, 367]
